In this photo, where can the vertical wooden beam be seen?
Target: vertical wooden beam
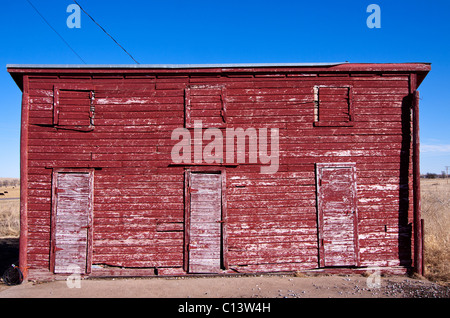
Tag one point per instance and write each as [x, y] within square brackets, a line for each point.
[53, 220]
[187, 108]
[223, 97]
[23, 239]
[418, 248]
[224, 219]
[187, 219]
[90, 239]
[423, 245]
[55, 105]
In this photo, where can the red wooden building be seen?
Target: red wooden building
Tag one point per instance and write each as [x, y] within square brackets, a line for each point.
[128, 169]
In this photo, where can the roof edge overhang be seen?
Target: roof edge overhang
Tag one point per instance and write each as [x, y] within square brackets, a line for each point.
[17, 71]
[167, 66]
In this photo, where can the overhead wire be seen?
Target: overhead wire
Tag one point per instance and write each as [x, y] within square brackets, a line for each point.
[54, 30]
[106, 32]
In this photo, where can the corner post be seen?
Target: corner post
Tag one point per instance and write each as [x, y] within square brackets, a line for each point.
[418, 239]
[23, 239]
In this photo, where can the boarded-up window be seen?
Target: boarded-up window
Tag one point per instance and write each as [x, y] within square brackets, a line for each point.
[206, 103]
[332, 106]
[73, 108]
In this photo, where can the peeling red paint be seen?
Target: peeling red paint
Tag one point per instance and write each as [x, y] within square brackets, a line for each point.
[268, 222]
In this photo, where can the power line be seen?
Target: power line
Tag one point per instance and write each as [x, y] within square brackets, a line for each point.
[45, 20]
[106, 32]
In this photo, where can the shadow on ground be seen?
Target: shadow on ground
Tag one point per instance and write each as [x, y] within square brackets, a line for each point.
[9, 253]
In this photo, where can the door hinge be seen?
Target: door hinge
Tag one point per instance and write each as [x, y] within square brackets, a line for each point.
[56, 249]
[192, 190]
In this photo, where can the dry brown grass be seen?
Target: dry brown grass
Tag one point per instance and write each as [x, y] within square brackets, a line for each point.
[436, 214]
[10, 218]
[9, 208]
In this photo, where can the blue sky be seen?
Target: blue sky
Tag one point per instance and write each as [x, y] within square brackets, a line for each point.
[197, 31]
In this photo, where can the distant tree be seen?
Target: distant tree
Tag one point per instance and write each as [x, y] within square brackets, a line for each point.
[9, 182]
[430, 175]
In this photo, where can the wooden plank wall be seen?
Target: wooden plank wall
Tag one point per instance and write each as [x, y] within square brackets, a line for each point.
[271, 219]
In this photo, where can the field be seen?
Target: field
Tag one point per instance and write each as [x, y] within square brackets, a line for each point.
[9, 208]
[436, 215]
[435, 212]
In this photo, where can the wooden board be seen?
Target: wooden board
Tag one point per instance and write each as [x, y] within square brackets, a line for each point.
[334, 104]
[205, 103]
[205, 223]
[72, 220]
[336, 196]
[73, 108]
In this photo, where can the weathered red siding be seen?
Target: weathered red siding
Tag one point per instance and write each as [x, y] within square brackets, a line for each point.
[271, 221]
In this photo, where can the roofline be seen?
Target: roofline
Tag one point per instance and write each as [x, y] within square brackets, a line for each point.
[17, 71]
[165, 66]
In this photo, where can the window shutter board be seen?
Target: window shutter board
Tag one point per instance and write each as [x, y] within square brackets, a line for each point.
[224, 104]
[206, 103]
[187, 107]
[333, 106]
[73, 108]
[91, 108]
[55, 105]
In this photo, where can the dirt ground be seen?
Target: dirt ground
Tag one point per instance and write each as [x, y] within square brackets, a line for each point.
[256, 286]
[260, 286]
